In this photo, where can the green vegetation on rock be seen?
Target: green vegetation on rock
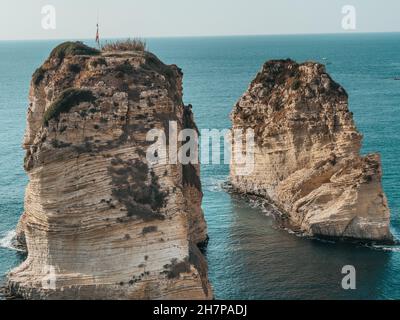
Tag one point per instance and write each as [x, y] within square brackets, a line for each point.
[73, 49]
[60, 52]
[38, 76]
[67, 99]
[296, 84]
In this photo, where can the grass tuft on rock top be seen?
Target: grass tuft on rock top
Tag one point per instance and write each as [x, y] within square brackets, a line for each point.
[71, 48]
[67, 99]
[125, 45]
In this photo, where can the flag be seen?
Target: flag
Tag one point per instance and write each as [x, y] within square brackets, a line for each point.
[97, 35]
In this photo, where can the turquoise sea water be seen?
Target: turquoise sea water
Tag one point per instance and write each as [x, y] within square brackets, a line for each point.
[248, 256]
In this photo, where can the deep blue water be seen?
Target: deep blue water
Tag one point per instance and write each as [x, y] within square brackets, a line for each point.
[248, 256]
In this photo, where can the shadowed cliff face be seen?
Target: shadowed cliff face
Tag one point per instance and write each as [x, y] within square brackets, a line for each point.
[307, 155]
[99, 221]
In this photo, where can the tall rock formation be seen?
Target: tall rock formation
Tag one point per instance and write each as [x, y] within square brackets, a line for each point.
[307, 154]
[99, 221]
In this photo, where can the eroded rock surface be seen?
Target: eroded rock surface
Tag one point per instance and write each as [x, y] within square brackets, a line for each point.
[99, 221]
[307, 154]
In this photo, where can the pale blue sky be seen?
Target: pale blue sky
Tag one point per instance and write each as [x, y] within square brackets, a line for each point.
[21, 19]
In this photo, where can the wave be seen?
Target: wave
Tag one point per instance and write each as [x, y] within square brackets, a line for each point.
[7, 241]
[395, 248]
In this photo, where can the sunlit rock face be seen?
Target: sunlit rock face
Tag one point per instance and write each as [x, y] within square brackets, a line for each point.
[100, 222]
[307, 154]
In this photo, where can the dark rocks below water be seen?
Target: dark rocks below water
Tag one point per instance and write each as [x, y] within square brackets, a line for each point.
[5, 293]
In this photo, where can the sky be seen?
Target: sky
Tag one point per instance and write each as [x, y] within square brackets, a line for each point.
[76, 19]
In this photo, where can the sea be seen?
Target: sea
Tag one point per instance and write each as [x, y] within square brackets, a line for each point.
[249, 255]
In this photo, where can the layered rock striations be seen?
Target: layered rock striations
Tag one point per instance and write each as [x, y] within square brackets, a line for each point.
[307, 155]
[100, 222]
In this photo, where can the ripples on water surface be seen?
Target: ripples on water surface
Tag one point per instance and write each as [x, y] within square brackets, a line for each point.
[248, 256]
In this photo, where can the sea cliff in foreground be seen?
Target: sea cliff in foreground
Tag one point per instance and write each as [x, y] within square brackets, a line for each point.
[307, 155]
[99, 221]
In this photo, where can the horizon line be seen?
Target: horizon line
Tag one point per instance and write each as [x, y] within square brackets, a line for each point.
[212, 36]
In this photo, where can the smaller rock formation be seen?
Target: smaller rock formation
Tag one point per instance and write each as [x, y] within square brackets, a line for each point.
[100, 222]
[307, 155]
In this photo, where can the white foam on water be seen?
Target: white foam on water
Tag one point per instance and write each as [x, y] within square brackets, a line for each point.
[6, 241]
[268, 213]
[395, 248]
[214, 184]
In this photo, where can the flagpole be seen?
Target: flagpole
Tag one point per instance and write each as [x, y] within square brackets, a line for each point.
[97, 32]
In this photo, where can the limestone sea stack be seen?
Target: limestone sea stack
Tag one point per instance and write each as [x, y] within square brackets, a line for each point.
[307, 155]
[100, 222]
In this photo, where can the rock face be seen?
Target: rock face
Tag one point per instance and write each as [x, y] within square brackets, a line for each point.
[307, 154]
[99, 221]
